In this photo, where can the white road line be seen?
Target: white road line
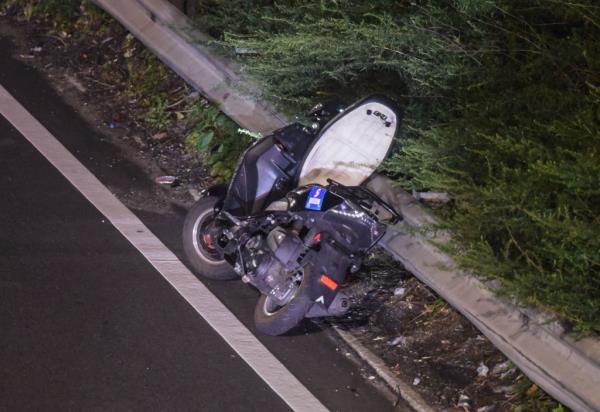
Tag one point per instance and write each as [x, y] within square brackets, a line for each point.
[193, 291]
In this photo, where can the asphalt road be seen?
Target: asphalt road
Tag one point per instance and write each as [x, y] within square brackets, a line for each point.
[86, 323]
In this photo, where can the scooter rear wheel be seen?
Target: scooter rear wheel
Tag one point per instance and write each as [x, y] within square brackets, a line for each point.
[197, 242]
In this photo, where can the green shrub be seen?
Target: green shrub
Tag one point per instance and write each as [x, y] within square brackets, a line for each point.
[217, 136]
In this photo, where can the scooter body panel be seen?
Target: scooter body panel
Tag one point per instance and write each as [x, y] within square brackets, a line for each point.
[267, 170]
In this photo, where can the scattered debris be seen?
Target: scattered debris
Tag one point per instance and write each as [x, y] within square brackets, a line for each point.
[464, 402]
[416, 381]
[500, 368]
[166, 180]
[503, 389]
[160, 136]
[75, 83]
[418, 334]
[432, 197]
[532, 391]
[254, 135]
[196, 196]
[139, 141]
[399, 291]
[482, 370]
[509, 373]
[400, 340]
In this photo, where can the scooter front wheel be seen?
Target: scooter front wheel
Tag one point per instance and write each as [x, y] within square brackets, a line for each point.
[273, 319]
[199, 246]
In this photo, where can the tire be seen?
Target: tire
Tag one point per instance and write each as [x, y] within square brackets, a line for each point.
[204, 262]
[284, 319]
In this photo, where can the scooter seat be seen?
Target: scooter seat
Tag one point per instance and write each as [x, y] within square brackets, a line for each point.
[352, 146]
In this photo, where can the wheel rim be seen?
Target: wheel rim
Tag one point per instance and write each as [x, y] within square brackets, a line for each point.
[271, 306]
[201, 239]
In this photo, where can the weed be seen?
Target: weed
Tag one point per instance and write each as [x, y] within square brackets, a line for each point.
[28, 12]
[217, 136]
[158, 117]
[530, 398]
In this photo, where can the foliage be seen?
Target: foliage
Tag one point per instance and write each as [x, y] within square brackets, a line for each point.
[531, 398]
[215, 134]
[64, 15]
[158, 116]
[502, 111]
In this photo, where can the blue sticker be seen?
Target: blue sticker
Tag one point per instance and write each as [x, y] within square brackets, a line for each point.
[315, 198]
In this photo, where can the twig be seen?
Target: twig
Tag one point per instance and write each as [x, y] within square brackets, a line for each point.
[101, 83]
[57, 38]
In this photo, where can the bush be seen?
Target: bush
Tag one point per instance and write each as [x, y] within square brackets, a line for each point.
[217, 136]
[502, 111]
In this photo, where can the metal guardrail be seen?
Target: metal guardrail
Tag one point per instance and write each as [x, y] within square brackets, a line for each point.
[567, 369]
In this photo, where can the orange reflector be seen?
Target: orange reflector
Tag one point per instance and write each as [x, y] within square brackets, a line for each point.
[327, 281]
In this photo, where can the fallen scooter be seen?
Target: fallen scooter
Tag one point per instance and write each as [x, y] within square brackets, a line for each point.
[295, 220]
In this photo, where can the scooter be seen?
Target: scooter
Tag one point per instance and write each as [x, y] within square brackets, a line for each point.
[295, 220]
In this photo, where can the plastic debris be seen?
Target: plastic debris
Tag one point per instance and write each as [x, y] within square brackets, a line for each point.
[501, 368]
[166, 180]
[512, 371]
[254, 135]
[464, 402]
[196, 196]
[482, 370]
[532, 391]
[399, 340]
[416, 381]
[432, 197]
[503, 389]
[399, 291]
[160, 136]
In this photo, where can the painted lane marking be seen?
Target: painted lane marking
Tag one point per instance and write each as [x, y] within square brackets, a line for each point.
[164, 261]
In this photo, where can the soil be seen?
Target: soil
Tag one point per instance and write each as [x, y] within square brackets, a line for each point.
[419, 336]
